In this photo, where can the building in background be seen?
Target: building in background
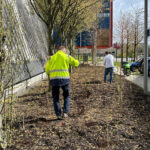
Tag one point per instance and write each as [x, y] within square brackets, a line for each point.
[105, 30]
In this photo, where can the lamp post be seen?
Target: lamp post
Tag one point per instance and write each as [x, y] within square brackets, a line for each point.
[146, 47]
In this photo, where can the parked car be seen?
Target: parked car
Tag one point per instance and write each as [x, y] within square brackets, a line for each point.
[136, 65]
[141, 67]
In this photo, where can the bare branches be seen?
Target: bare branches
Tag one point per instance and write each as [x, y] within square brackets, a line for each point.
[63, 14]
[129, 30]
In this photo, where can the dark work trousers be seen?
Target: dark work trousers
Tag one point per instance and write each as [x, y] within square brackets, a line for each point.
[108, 71]
[66, 95]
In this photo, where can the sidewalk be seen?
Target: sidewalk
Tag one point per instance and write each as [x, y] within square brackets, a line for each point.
[136, 79]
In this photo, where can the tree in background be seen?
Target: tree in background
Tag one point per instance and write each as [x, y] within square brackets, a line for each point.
[91, 25]
[120, 29]
[58, 14]
[129, 29]
[137, 30]
[128, 35]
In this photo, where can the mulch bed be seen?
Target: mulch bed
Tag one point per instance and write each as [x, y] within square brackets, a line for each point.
[103, 116]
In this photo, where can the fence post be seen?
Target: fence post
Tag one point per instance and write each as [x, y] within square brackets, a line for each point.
[42, 76]
[26, 84]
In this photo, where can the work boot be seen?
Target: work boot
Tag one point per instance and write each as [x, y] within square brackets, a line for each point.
[59, 118]
[65, 115]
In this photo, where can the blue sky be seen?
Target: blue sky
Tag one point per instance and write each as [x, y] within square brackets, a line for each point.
[126, 5]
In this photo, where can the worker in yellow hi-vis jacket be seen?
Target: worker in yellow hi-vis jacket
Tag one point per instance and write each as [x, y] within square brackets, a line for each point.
[57, 67]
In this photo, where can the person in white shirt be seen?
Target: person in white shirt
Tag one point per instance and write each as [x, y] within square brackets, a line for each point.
[109, 66]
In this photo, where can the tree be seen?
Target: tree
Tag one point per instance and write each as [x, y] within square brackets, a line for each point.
[128, 33]
[120, 28]
[91, 24]
[56, 14]
[138, 29]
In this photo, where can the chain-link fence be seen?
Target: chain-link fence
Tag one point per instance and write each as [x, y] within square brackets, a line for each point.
[25, 36]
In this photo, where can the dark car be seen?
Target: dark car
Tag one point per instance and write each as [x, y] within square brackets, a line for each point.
[141, 67]
[136, 65]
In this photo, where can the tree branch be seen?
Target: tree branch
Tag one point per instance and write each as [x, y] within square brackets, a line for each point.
[36, 11]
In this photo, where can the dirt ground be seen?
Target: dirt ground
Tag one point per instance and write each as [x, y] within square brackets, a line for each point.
[103, 116]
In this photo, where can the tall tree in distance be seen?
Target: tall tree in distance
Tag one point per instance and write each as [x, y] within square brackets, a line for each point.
[120, 30]
[128, 33]
[138, 30]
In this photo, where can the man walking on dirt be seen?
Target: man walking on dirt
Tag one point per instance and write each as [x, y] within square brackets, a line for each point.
[109, 66]
[57, 67]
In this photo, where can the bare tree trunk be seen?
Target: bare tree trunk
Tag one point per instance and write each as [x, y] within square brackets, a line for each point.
[122, 47]
[127, 48]
[135, 43]
[138, 32]
[71, 51]
[134, 51]
[50, 42]
[121, 54]
[50, 51]
[63, 38]
[94, 51]
[127, 52]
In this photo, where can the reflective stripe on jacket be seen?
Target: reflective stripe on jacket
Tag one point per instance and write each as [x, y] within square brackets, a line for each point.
[57, 67]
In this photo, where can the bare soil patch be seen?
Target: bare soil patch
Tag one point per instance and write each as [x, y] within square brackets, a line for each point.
[103, 116]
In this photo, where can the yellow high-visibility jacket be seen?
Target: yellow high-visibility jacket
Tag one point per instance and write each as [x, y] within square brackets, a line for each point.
[57, 67]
